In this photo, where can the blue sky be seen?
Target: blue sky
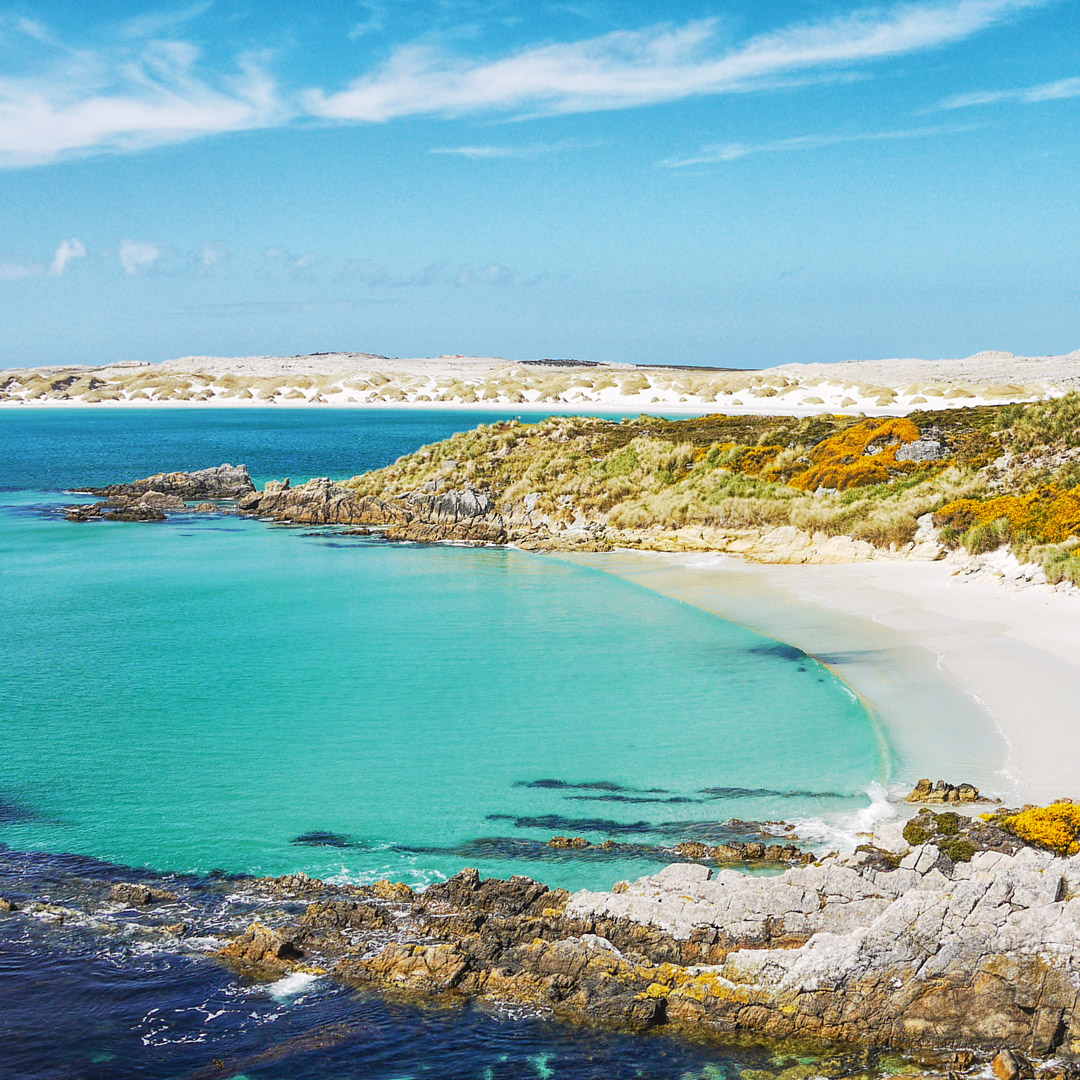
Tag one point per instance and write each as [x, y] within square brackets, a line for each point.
[726, 182]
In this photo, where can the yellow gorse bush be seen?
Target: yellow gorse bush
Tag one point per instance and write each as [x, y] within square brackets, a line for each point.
[1048, 514]
[1056, 826]
[842, 461]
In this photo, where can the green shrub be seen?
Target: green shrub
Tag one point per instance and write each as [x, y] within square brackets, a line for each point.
[987, 536]
[915, 833]
[957, 848]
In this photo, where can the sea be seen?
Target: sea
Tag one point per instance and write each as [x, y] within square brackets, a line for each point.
[218, 695]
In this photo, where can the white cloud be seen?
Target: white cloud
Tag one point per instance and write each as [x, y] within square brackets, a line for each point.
[68, 250]
[209, 256]
[725, 152]
[1029, 95]
[134, 95]
[135, 256]
[665, 63]
[142, 91]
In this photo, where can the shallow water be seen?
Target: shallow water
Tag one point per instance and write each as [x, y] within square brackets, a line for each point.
[219, 693]
[216, 692]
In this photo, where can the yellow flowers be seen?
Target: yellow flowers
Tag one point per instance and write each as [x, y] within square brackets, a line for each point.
[842, 461]
[1048, 514]
[1056, 826]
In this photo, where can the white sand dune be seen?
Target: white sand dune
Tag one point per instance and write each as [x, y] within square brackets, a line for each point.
[875, 387]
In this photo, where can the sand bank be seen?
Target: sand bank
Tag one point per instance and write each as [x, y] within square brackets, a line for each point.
[971, 680]
[362, 380]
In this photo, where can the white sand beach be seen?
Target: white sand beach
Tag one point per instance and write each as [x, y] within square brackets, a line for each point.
[973, 681]
[363, 380]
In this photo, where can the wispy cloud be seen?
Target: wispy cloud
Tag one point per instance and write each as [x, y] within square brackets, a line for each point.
[13, 270]
[136, 94]
[146, 88]
[733, 151]
[524, 151]
[658, 64]
[138, 256]
[68, 250]
[1029, 95]
[208, 257]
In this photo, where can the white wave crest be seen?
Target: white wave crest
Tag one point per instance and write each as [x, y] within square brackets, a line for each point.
[847, 831]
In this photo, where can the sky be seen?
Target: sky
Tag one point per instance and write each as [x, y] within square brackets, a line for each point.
[721, 182]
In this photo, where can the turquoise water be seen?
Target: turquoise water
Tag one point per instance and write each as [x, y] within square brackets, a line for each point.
[218, 693]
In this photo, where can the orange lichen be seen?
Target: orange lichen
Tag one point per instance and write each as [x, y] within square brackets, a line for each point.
[845, 460]
[1048, 514]
[1056, 826]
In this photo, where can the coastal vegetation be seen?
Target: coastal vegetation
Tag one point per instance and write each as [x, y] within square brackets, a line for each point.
[989, 476]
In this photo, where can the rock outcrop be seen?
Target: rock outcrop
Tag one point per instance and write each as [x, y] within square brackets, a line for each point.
[894, 946]
[320, 502]
[140, 895]
[913, 951]
[220, 482]
[943, 792]
[149, 499]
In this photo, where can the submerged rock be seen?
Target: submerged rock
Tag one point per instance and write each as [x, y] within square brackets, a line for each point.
[140, 895]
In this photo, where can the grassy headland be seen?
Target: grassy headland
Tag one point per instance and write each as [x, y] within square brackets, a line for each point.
[989, 476]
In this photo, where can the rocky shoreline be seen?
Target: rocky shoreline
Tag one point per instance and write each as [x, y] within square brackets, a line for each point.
[949, 958]
[447, 513]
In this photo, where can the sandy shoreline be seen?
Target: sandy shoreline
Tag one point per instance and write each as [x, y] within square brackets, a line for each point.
[363, 380]
[971, 681]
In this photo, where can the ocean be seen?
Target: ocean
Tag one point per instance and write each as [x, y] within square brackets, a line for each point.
[214, 694]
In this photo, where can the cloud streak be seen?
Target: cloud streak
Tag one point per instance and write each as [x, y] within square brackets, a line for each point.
[524, 151]
[726, 152]
[146, 90]
[1029, 95]
[136, 95]
[650, 66]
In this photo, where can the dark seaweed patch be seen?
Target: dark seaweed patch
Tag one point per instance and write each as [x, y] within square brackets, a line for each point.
[852, 656]
[592, 785]
[13, 813]
[557, 823]
[719, 832]
[777, 649]
[513, 847]
[320, 838]
[615, 798]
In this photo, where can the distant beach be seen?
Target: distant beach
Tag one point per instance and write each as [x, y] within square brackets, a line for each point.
[363, 380]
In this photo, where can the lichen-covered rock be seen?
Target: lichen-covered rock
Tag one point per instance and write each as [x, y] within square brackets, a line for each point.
[262, 947]
[984, 953]
[393, 890]
[943, 792]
